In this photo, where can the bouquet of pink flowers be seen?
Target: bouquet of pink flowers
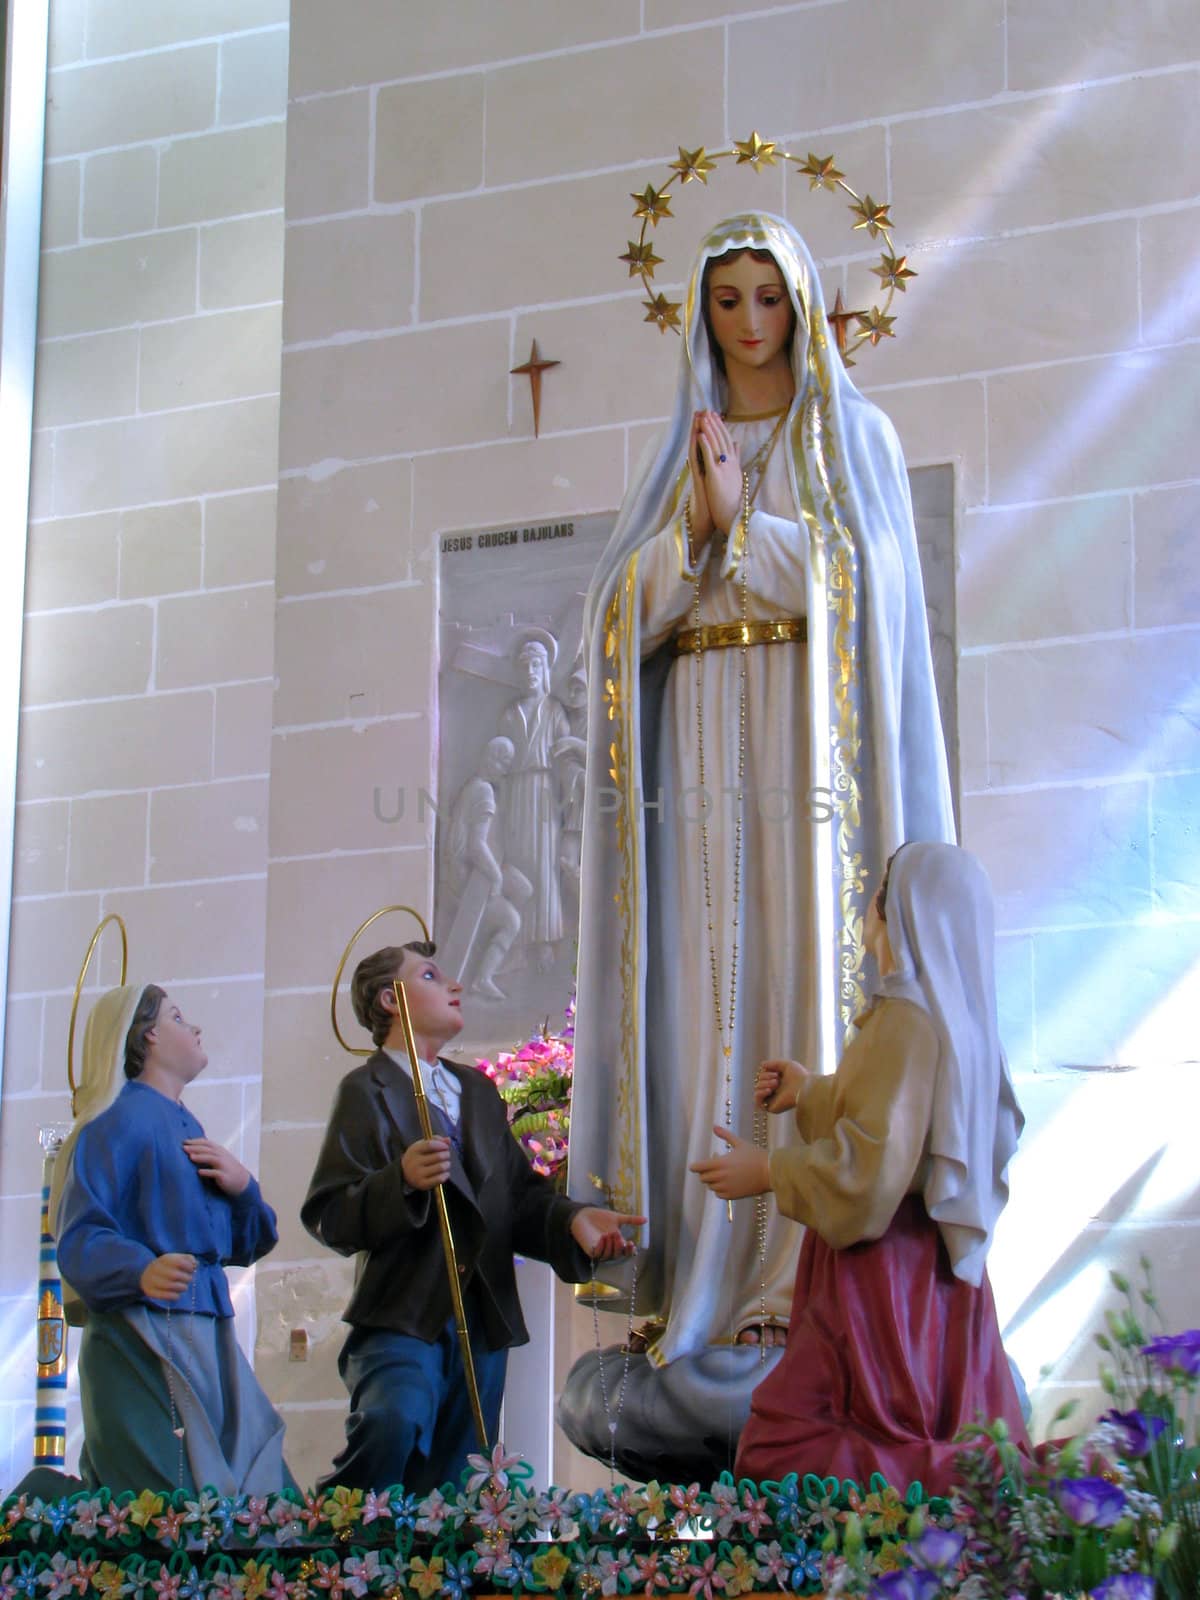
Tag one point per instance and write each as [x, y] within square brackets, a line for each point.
[534, 1081]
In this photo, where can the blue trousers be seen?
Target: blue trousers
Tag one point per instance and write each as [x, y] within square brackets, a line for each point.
[410, 1418]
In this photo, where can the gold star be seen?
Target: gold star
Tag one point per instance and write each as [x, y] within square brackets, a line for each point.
[871, 216]
[533, 369]
[821, 172]
[758, 152]
[663, 311]
[693, 164]
[839, 319]
[893, 272]
[875, 325]
[652, 204]
[642, 260]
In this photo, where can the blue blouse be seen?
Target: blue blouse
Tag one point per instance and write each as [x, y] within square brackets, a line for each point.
[132, 1194]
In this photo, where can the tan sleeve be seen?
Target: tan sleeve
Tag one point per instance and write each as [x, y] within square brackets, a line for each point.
[848, 1182]
[815, 1114]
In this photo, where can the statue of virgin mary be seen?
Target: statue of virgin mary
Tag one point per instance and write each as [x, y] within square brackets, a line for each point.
[763, 732]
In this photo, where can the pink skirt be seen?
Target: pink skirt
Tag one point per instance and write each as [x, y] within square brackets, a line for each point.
[888, 1356]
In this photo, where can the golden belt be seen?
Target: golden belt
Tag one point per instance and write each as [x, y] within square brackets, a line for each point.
[725, 635]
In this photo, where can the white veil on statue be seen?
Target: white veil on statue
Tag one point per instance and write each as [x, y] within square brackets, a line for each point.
[103, 1075]
[101, 1081]
[874, 737]
[941, 930]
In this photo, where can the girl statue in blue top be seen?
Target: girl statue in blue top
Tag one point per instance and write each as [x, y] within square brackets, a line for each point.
[147, 1212]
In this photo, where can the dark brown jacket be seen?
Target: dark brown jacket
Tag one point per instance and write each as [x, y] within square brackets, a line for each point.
[357, 1203]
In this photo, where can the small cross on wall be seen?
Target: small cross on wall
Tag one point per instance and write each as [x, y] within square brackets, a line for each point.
[839, 319]
[533, 369]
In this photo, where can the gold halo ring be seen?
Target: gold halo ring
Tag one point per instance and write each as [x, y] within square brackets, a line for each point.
[653, 205]
[87, 961]
[341, 967]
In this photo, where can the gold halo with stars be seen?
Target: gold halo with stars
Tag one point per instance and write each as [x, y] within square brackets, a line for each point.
[652, 205]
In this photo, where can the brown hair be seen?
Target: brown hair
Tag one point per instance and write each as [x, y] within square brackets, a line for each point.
[730, 256]
[144, 1018]
[881, 895]
[375, 974]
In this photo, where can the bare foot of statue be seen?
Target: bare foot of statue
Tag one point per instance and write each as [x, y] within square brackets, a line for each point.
[642, 1338]
[767, 1333]
[488, 989]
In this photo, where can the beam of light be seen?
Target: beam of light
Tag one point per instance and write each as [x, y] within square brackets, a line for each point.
[18, 1352]
[1126, 994]
[1148, 1020]
[1050, 1267]
[1011, 164]
[1110, 989]
[1014, 163]
[1180, 306]
[1168, 1027]
[1108, 1127]
[1056, 1324]
[1127, 385]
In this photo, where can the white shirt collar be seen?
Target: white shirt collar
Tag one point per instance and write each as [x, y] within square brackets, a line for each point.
[441, 1086]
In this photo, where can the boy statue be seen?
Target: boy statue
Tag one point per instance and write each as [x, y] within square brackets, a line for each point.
[410, 1417]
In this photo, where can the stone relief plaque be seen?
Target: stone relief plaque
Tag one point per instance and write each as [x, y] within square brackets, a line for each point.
[512, 710]
[512, 713]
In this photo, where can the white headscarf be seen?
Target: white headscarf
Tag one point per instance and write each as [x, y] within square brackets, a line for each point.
[103, 1075]
[940, 926]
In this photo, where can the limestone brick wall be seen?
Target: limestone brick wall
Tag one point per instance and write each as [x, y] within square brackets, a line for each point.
[458, 182]
[148, 660]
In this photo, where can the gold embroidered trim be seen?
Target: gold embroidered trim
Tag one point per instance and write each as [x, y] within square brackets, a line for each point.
[847, 747]
[623, 770]
[845, 734]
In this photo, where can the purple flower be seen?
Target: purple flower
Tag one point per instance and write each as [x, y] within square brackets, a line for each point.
[1176, 1352]
[1135, 1431]
[914, 1584]
[1125, 1586]
[937, 1548]
[1090, 1502]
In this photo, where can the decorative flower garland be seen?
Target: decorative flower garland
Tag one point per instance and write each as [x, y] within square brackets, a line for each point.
[1107, 1514]
[499, 1534]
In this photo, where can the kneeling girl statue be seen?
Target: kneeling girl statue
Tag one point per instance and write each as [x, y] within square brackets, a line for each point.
[762, 721]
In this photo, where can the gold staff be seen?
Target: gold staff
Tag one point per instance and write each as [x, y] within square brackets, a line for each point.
[443, 1211]
[452, 1272]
